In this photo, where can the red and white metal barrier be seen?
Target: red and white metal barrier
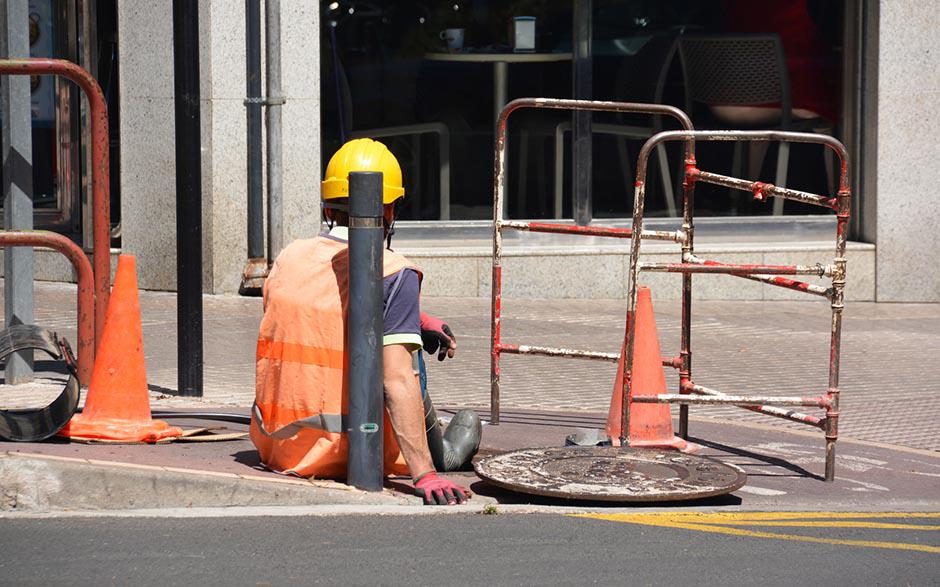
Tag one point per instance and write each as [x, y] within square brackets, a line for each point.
[689, 392]
[497, 347]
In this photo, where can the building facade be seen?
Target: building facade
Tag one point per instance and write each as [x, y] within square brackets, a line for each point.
[891, 94]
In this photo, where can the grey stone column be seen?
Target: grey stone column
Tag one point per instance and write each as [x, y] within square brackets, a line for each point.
[908, 148]
[147, 144]
[17, 182]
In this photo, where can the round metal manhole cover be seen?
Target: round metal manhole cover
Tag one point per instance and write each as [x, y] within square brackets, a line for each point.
[607, 473]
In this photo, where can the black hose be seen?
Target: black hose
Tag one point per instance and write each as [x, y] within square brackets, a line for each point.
[220, 416]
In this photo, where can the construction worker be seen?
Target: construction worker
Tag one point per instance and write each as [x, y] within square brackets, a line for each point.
[298, 420]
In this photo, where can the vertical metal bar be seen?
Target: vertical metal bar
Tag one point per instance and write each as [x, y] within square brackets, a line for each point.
[253, 111]
[629, 335]
[835, 346]
[188, 196]
[685, 342]
[272, 80]
[499, 192]
[500, 86]
[364, 331]
[500, 98]
[17, 184]
[581, 135]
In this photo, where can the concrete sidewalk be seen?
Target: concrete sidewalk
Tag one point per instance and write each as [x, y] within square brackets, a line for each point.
[890, 392]
[887, 455]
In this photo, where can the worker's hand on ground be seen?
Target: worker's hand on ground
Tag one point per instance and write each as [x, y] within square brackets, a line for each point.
[437, 491]
[437, 337]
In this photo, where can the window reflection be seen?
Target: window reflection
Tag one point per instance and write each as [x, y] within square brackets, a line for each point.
[380, 75]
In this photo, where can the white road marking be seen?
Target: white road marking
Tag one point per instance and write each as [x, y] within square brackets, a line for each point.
[761, 490]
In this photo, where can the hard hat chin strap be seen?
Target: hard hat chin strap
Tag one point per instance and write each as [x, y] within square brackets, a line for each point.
[390, 229]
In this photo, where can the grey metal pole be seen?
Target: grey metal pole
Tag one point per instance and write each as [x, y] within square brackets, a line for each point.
[188, 197]
[256, 268]
[17, 183]
[364, 331]
[581, 136]
[273, 101]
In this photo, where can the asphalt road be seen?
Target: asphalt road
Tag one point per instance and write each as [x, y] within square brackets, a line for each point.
[474, 549]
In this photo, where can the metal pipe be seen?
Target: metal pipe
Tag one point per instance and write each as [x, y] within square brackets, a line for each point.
[524, 349]
[364, 331]
[743, 135]
[273, 102]
[188, 197]
[582, 87]
[100, 168]
[737, 400]
[86, 288]
[545, 351]
[837, 302]
[253, 113]
[770, 280]
[626, 368]
[676, 236]
[734, 269]
[17, 187]
[685, 332]
[768, 410]
[763, 190]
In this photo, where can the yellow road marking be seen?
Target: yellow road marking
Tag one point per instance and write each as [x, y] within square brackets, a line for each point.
[728, 516]
[818, 524]
[712, 522]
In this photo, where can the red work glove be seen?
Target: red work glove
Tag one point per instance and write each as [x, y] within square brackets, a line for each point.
[437, 337]
[437, 491]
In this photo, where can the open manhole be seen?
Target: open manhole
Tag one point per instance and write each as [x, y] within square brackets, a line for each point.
[607, 473]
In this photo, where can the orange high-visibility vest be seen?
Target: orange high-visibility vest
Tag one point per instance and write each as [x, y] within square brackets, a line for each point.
[301, 397]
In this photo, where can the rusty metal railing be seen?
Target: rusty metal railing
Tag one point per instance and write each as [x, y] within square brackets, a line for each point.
[90, 311]
[86, 288]
[689, 392]
[497, 347]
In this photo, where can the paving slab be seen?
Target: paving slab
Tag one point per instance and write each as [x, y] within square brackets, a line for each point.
[765, 348]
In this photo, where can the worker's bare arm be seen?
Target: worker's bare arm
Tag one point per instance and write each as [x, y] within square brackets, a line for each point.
[403, 401]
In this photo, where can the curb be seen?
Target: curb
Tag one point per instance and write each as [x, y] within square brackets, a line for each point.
[41, 483]
[478, 509]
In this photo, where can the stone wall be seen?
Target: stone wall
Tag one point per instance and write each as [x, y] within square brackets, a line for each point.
[148, 184]
[908, 216]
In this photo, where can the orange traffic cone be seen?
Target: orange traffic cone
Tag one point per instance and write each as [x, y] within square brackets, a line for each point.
[650, 424]
[118, 407]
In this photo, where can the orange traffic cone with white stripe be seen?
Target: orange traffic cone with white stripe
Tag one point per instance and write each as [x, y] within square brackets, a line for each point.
[650, 424]
[118, 407]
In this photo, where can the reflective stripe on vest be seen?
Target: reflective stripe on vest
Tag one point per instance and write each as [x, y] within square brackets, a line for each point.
[298, 353]
[335, 423]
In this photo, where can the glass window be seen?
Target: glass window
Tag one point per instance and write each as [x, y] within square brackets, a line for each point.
[419, 74]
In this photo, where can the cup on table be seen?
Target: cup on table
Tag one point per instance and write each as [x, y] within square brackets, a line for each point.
[523, 34]
[453, 38]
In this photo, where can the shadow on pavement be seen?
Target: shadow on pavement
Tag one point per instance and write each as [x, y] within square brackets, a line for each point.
[768, 460]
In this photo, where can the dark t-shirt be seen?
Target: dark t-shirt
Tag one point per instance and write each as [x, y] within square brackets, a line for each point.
[402, 308]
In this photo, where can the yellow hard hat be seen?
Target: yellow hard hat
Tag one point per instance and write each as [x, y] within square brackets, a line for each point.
[362, 155]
